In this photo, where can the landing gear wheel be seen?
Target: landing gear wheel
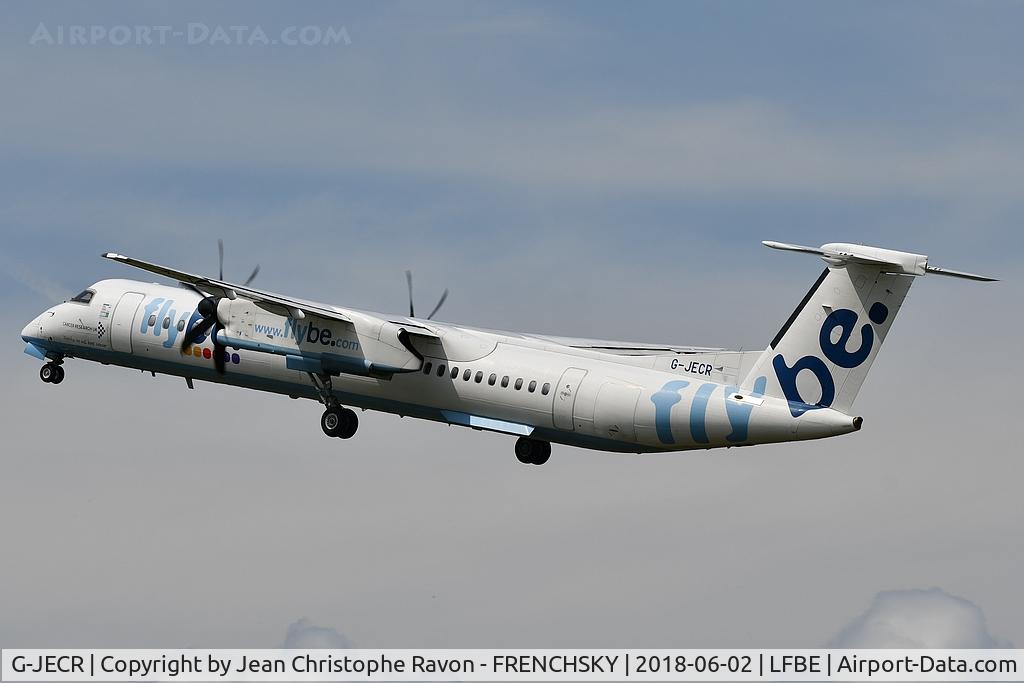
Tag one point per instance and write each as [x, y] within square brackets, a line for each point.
[349, 424]
[50, 373]
[331, 421]
[339, 422]
[532, 451]
[524, 451]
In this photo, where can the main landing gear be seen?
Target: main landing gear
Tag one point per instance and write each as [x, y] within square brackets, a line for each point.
[51, 373]
[339, 422]
[532, 451]
[336, 421]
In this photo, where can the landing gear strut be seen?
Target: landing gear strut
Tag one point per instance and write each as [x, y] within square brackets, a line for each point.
[51, 373]
[532, 451]
[336, 421]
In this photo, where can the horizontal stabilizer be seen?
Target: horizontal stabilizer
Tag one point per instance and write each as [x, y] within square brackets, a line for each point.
[792, 247]
[887, 260]
[935, 270]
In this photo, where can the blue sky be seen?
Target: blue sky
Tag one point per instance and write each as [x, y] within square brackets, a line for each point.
[602, 169]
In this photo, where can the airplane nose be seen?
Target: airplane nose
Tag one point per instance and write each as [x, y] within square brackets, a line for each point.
[31, 331]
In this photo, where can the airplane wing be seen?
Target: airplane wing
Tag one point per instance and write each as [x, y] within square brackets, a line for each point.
[275, 303]
[623, 348]
[386, 346]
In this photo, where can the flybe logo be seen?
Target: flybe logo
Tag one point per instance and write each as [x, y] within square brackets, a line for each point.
[737, 412]
[159, 317]
[835, 351]
[159, 310]
[309, 333]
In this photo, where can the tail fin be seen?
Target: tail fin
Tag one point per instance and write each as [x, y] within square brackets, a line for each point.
[823, 352]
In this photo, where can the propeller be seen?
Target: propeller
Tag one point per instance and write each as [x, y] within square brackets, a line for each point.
[255, 272]
[440, 303]
[408, 280]
[208, 309]
[220, 254]
[412, 310]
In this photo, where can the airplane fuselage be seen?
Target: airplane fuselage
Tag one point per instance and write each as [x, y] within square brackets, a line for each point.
[497, 381]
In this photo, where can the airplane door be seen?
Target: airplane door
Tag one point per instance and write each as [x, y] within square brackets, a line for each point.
[565, 398]
[614, 414]
[123, 320]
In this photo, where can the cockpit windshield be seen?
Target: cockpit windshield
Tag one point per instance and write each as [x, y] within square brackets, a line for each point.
[84, 297]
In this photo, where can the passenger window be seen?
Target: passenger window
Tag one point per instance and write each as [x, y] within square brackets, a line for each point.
[83, 297]
[519, 384]
[492, 379]
[546, 388]
[440, 370]
[455, 373]
[504, 381]
[181, 325]
[167, 323]
[426, 368]
[479, 377]
[466, 375]
[152, 320]
[533, 387]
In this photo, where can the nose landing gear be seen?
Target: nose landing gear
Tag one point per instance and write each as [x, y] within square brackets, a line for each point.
[532, 451]
[51, 373]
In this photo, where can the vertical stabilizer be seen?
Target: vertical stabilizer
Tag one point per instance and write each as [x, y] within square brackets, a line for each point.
[823, 352]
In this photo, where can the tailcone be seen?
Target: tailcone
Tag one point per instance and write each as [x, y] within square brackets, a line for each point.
[824, 422]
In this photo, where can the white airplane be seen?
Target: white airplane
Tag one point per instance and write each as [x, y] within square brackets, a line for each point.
[595, 394]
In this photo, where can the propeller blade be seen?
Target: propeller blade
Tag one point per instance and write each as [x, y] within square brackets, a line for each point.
[408, 279]
[220, 256]
[255, 272]
[440, 303]
[197, 331]
[208, 309]
[220, 253]
[218, 351]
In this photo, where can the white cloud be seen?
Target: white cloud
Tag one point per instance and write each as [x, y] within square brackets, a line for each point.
[918, 619]
[304, 635]
[32, 279]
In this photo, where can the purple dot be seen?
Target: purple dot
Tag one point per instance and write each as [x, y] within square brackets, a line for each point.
[235, 358]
